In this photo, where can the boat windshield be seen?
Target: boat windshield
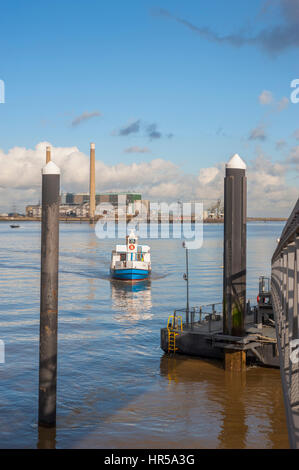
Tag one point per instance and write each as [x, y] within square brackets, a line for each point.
[131, 257]
[132, 240]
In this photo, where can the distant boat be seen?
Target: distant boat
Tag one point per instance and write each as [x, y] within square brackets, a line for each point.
[14, 226]
[131, 262]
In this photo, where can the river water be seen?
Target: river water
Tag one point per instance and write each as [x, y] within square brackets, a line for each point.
[116, 388]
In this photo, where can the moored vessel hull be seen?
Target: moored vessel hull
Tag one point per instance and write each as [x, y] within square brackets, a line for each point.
[130, 274]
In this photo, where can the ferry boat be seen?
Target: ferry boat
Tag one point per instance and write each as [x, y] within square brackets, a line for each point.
[131, 262]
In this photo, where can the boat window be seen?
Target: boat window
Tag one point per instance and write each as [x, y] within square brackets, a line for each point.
[132, 240]
[123, 257]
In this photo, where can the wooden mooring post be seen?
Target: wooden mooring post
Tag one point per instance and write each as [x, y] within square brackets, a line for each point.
[49, 295]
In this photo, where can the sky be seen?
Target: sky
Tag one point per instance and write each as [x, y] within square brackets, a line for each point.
[168, 91]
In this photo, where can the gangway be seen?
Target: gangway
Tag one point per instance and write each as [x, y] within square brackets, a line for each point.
[285, 300]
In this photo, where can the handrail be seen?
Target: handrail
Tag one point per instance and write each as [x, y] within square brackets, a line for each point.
[290, 229]
[176, 324]
[202, 313]
[285, 298]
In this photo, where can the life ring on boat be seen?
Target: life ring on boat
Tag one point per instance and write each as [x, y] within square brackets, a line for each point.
[132, 247]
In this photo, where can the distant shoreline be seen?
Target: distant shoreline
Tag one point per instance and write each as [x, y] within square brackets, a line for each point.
[86, 219]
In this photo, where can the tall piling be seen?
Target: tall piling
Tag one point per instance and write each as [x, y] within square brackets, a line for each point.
[92, 195]
[49, 295]
[234, 275]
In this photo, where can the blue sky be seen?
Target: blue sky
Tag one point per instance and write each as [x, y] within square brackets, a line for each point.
[124, 62]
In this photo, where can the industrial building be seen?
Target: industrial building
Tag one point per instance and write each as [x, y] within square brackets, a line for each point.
[77, 204]
[111, 198]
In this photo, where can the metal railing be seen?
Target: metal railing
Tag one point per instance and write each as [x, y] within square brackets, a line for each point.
[285, 298]
[209, 314]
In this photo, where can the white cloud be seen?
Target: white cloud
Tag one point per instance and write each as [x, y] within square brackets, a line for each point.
[208, 175]
[259, 133]
[158, 179]
[294, 158]
[84, 117]
[268, 190]
[137, 149]
[283, 104]
[266, 97]
[280, 144]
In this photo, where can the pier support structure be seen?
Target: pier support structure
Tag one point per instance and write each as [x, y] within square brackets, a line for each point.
[235, 360]
[234, 274]
[49, 295]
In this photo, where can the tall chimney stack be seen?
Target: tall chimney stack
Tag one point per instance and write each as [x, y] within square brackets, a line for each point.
[234, 275]
[92, 195]
[48, 154]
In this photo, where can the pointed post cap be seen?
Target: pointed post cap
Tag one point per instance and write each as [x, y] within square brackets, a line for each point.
[50, 169]
[132, 235]
[236, 163]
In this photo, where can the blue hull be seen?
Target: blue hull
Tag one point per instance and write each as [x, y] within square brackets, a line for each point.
[130, 274]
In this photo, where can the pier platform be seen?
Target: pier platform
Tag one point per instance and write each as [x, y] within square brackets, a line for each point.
[205, 338]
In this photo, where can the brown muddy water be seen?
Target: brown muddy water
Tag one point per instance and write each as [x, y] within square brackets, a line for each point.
[116, 388]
